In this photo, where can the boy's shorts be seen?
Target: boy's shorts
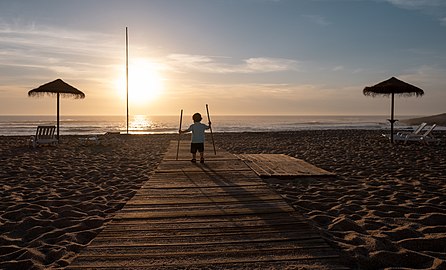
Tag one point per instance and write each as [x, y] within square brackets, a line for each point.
[194, 147]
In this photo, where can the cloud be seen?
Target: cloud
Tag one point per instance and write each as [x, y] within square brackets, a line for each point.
[418, 4]
[51, 38]
[431, 80]
[215, 64]
[317, 19]
[427, 75]
[50, 50]
[338, 68]
[269, 64]
[434, 8]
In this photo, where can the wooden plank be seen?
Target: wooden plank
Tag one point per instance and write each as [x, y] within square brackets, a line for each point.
[280, 165]
[140, 237]
[220, 214]
[209, 166]
[179, 192]
[209, 175]
[261, 246]
[185, 154]
[206, 262]
[273, 219]
[195, 200]
[128, 254]
[241, 176]
[205, 247]
[203, 227]
[198, 213]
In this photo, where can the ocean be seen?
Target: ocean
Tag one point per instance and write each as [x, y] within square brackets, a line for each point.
[144, 124]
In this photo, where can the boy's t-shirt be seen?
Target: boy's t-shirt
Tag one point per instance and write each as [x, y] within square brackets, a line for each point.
[197, 130]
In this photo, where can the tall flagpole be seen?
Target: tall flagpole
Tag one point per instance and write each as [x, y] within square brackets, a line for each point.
[127, 74]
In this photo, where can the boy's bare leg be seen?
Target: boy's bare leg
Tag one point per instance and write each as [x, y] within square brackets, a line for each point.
[202, 157]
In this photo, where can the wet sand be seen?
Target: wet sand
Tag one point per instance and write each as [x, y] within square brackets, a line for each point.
[386, 208]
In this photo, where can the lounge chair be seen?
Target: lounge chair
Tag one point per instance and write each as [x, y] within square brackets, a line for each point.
[97, 139]
[44, 135]
[426, 137]
[404, 134]
[415, 132]
[90, 139]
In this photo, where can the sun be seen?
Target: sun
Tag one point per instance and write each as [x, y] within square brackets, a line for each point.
[145, 82]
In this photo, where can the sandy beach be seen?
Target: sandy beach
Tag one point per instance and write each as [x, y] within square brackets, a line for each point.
[386, 209]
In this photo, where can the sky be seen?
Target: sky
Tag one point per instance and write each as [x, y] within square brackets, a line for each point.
[242, 57]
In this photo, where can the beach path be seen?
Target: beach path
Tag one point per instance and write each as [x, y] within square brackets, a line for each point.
[217, 215]
[281, 165]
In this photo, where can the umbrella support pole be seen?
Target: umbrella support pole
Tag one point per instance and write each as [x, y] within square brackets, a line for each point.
[58, 109]
[392, 120]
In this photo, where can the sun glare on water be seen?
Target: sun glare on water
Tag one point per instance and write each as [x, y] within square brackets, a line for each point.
[145, 82]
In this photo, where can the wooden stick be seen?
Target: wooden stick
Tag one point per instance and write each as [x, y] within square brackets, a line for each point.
[127, 74]
[212, 135]
[179, 133]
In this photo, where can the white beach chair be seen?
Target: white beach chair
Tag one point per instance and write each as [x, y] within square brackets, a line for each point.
[399, 135]
[98, 139]
[426, 137]
[44, 135]
[415, 132]
[90, 140]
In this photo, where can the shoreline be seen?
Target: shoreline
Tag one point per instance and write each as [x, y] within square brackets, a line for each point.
[90, 125]
[386, 208]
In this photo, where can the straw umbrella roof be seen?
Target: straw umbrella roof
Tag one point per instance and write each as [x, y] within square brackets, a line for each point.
[57, 87]
[393, 86]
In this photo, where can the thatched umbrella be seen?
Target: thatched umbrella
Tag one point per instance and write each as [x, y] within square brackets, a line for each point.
[58, 88]
[391, 87]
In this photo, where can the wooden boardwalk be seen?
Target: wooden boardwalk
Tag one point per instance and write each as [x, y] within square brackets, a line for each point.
[217, 215]
[280, 165]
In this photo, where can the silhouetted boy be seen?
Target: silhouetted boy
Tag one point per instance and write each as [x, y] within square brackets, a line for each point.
[197, 141]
